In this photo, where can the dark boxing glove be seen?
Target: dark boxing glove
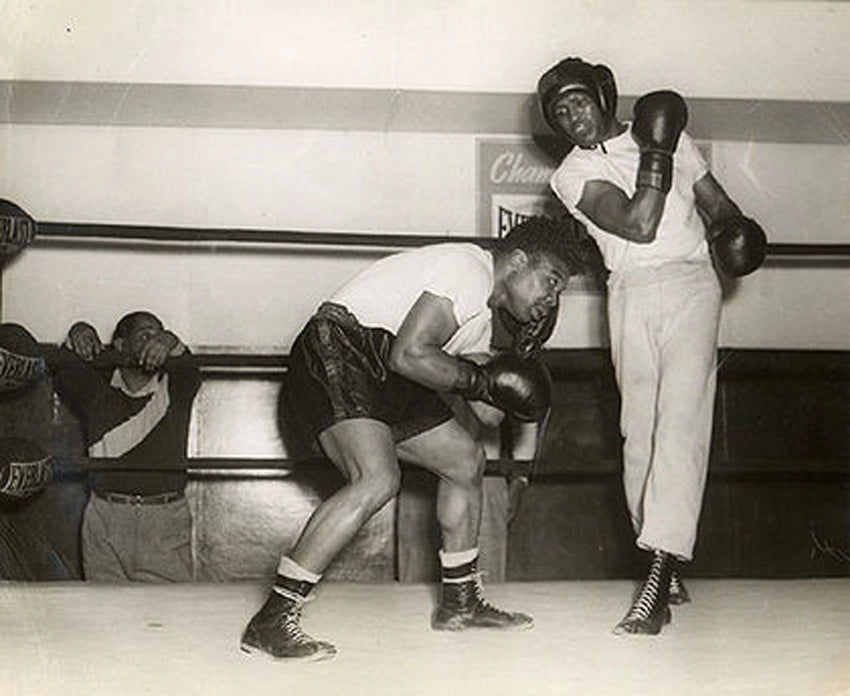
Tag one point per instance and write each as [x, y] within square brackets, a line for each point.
[659, 119]
[25, 469]
[738, 245]
[521, 387]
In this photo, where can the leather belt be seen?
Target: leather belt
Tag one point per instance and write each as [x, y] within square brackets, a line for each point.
[125, 499]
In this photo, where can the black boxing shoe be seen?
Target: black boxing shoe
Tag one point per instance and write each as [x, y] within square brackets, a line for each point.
[463, 606]
[678, 592]
[275, 630]
[650, 610]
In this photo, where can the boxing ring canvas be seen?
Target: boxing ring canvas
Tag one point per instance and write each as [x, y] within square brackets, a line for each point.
[742, 637]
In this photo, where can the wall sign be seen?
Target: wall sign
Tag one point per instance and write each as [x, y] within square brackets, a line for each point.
[513, 184]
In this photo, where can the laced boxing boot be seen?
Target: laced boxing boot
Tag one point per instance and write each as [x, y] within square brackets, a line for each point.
[276, 629]
[650, 609]
[678, 592]
[463, 606]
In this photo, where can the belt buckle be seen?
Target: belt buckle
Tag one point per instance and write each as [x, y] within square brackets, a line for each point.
[137, 500]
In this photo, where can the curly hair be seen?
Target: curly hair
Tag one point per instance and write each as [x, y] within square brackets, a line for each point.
[563, 238]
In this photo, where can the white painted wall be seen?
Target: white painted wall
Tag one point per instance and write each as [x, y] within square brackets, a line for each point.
[302, 180]
[723, 48]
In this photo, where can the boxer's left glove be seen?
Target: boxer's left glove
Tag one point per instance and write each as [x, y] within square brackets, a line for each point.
[25, 469]
[521, 387]
[738, 245]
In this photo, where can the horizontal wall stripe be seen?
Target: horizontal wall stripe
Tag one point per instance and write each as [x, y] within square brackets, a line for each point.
[208, 106]
[383, 110]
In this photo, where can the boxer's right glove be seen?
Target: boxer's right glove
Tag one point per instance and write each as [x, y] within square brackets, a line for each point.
[659, 119]
[521, 387]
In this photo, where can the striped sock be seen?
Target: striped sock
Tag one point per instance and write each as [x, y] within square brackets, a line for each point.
[459, 566]
[294, 578]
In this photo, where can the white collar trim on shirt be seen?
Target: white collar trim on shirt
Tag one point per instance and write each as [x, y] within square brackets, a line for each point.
[118, 382]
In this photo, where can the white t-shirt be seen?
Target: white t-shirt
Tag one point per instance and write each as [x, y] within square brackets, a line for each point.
[681, 233]
[381, 295]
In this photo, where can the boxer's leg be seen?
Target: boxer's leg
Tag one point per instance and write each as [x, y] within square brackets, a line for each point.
[458, 461]
[363, 451]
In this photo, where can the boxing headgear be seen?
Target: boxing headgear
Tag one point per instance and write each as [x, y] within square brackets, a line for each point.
[575, 74]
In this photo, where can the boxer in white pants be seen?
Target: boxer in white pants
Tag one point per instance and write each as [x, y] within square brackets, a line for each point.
[646, 194]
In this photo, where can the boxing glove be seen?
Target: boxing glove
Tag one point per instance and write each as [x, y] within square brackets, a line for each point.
[519, 386]
[738, 245]
[659, 119]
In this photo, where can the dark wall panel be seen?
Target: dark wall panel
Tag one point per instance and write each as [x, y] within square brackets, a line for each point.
[572, 529]
[788, 527]
[781, 406]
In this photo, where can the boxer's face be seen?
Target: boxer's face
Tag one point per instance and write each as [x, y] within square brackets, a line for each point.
[534, 286]
[579, 116]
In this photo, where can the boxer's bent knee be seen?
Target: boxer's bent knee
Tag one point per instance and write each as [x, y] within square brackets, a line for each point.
[373, 490]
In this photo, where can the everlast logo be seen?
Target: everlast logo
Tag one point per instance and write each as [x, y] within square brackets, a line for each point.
[16, 370]
[16, 231]
[510, 218]
[25, 478]
[513, 168]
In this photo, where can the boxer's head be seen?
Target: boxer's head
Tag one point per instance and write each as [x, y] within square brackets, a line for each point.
[534, 263]
[573, 88]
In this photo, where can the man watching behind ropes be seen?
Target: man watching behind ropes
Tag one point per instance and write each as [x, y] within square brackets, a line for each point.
[134, 400]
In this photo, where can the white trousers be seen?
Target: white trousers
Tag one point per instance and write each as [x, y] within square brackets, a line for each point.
[663, 323]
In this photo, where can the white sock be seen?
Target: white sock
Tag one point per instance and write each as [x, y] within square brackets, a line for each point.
[453, 559]
[290, 569]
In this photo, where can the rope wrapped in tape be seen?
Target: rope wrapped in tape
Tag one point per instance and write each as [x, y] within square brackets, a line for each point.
[17, 229]
[25, 468]
[21, 362]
